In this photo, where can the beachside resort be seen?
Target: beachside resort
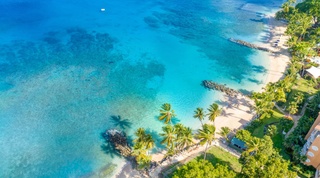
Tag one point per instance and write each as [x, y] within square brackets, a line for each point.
[160, 89]
[271, 133]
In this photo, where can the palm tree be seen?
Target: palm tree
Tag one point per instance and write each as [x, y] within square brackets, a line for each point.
[199, 113]
[314, 103]
[299, 97]
[292, 41]
[141, 134]
[148, 141]
[214, 111]
[293, 108]
[264, 102]
[144, 139]
[253, 145]
[225, 132]
[140, 154]
[179, 129]
[206, 136]
[166, 113]
[139, 151]
[272, 130]
[185, 139]
[170, 152]
[168, 135]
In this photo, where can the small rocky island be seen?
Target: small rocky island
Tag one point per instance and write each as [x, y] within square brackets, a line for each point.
[119, 141]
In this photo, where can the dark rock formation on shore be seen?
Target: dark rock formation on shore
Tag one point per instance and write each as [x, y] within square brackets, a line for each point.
[250, 45]
[223, 88]
[119, 141]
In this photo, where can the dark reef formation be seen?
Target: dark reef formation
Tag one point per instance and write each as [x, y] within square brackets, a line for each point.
[119, 141]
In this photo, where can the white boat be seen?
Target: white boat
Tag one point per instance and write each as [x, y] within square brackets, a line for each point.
[102, 9]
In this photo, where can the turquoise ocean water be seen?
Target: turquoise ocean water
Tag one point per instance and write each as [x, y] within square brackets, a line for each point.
[67, 69]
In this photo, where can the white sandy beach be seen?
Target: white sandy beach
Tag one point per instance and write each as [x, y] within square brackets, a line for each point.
[236, 111]
[280, 60]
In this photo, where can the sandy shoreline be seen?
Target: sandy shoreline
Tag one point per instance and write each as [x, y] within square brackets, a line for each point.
[280, 60]
[237, 111]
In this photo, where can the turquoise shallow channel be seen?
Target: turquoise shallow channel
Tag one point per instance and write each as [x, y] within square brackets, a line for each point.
[67, 70]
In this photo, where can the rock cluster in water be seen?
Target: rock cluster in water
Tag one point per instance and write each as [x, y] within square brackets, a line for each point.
[250, 45]
[223, 88]
[119, 141]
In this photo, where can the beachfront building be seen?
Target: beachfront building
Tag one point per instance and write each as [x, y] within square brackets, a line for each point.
[313, 72]
[238, 143]
[312, 147]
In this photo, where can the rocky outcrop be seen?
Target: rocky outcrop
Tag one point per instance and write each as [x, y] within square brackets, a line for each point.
[223, 88]
[119, 141]
[250, 45]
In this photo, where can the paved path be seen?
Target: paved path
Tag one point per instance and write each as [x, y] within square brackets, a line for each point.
[294, 117]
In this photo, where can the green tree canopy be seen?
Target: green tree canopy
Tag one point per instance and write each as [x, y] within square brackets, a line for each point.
[272, 130]
[184, 139]
[203, 169]
[206, 135]
[224, 132]
[310, 7]
[214, 111]
[244, 135]
[199, 114]
[140, 153]
[265, 162]
[166, 113]
[168, 135]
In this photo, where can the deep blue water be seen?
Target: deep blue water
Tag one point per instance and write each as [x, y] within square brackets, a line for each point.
[66, 69]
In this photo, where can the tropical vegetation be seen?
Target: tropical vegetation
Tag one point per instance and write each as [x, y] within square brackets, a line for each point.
[268, 151]
[203, 168]
[206, 136]
[143, 143]
[166, 113]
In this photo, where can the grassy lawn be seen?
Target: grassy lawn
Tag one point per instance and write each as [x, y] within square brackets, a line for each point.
[217, 155]
[259, 131]
[277, 139]
[300, 86]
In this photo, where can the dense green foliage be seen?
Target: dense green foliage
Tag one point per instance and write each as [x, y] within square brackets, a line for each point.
[295, 140]
[261, 158]
[290, 93]
[143, 143]
[206, 136]
[201, 169]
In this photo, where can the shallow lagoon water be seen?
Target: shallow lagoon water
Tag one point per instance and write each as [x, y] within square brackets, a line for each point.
[67, 68]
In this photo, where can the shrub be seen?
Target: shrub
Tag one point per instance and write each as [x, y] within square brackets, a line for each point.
[254, 124]
[286, 123]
